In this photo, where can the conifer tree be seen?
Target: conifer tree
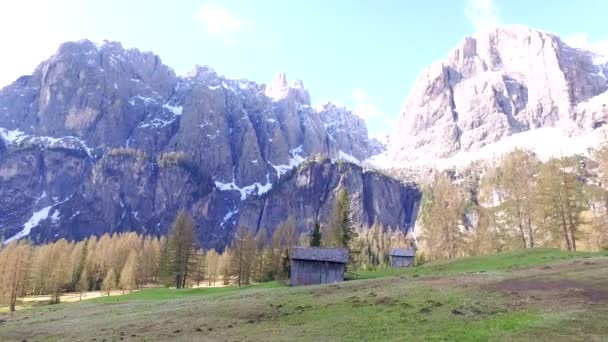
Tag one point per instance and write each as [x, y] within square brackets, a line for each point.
[180, 257]
[128, 275]
[261, 242]
[109, 282]
[442, 224]
[83, 283]
[315, 237]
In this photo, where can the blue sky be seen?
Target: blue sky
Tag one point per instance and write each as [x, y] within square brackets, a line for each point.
[365, 55]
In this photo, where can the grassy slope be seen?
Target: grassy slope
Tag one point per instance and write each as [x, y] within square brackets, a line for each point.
[491, 263]
[436, 301]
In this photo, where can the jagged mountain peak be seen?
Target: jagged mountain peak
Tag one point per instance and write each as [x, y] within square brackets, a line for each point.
[280, 89]
[496, 84]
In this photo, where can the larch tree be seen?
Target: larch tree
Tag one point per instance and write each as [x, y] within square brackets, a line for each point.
[212, 261]
[243, 247]
[128, 275]
[284, 238]
[83, 283]
[491, 234]
[442, 225]
[261, 242]
[561, 196]
[14, 264]
[81, 264]
[519, 169]
[200, 266]
[109, 282]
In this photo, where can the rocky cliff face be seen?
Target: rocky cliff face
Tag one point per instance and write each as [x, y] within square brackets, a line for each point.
[497, 84]
[100, 138]
[308, 195]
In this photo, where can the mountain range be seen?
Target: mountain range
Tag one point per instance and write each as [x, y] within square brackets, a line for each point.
[106, 139]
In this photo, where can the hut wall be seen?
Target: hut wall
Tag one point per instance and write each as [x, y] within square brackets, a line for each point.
[401, 261]
[309, 272]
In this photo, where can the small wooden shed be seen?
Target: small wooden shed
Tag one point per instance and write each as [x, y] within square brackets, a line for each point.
[402, 257]
[314, 265]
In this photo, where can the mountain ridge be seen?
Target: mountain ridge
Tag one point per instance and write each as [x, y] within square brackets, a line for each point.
[496, 84]
[102, 139]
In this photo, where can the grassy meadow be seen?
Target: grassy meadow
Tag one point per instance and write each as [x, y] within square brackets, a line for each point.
[539, 294]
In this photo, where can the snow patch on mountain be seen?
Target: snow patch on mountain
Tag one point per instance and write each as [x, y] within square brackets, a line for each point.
[345, 156]
[36, 218]
[69, 142]
[563, 139]
[295, 160]
[177, 110]
[254, 189]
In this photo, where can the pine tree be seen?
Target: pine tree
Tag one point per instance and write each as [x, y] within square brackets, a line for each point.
[315, 237]
[342, 233]
[109, 282]
[180, 257]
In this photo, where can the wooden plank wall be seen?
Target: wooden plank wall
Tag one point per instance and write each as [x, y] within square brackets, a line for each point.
[308, 272]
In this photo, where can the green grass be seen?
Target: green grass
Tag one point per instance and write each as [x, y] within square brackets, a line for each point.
[458, 303]
[155, 294]
[492, 263]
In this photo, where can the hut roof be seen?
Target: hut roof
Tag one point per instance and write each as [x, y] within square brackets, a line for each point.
[403, 252]
[320, 254]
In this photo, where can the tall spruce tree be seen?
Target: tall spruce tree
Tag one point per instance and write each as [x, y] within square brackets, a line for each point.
[315, 237]
[342, 232]
[179, 257]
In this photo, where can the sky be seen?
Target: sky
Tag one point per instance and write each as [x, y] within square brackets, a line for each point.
[364, 54]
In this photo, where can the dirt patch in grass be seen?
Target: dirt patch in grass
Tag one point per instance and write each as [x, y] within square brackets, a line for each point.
[554, 291]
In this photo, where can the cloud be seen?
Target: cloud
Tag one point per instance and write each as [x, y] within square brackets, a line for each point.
[218, 22]
[482, 14]
[364, 105]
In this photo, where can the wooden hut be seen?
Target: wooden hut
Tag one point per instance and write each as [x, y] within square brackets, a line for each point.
[314, 265]
[402, 257]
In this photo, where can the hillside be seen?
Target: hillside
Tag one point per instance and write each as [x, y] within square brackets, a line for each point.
[509, 296]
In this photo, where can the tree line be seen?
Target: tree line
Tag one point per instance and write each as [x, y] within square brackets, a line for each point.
[128, 261]
[520, 202]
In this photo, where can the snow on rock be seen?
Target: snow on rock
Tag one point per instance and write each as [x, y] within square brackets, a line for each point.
[295, 160]
[177, 110]
[145, 100]
[345, 156]
[70, 142]
[55, 217]
[11, 136]
[36, 218]
[228, 216]
[256, 188]
[564, 139]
